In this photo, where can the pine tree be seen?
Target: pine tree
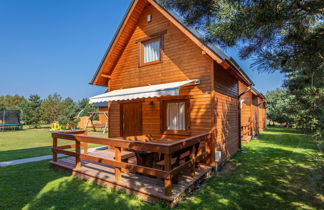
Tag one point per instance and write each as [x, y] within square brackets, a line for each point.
[32, 111]
[69, 115]
[52, 108]
[85, 107]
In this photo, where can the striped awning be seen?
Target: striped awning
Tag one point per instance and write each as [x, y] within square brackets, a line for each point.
[166, 89]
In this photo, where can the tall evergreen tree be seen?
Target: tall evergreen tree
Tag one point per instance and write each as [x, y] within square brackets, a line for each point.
[69, 114]
[32, 111]
[281, 107]
[85, 107]
[52, 108]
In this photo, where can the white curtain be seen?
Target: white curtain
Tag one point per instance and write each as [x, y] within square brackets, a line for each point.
[176, 116]
[152, 51]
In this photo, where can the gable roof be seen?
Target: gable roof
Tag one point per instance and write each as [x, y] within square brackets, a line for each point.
[128, 25]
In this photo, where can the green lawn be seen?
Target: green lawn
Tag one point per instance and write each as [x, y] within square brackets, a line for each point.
[279, 170]
[29, 143]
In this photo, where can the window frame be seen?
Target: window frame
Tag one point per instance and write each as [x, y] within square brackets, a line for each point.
[164, 129]
[141, 50]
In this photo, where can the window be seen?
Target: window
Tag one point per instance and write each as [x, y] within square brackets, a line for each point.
[175, 116]
[151, 51]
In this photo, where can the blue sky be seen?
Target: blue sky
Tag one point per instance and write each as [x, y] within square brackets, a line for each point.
[56, 46]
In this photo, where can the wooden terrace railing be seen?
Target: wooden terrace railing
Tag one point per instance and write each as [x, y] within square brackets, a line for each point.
[197, 146]
[246, 130]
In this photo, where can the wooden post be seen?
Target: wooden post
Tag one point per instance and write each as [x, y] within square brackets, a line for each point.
[54, 147]
[192, 157]
[85, 148]
[211, 140]
[77, 157]
[117, 158]
[167, 185]
[167, 180]
[85, 144]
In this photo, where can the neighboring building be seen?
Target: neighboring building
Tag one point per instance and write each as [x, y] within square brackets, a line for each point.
[253, 112]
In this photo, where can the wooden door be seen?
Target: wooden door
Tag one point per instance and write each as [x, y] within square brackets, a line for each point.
[131, 119]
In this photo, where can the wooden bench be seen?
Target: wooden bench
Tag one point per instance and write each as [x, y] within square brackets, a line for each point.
[175, 160]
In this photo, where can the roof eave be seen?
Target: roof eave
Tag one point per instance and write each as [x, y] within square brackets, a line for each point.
[111, 43]
[240, 71]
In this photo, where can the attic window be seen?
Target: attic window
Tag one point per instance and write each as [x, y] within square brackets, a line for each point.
[149, 18]
[151, 51]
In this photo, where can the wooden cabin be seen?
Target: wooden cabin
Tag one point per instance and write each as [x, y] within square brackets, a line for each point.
[173, 104]
[253, 112]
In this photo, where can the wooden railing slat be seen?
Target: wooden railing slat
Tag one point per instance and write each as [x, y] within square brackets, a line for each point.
[129, 166]
[180, 168]
[117, 159]
[64, 152]
[127, 144]
[78, 152]
[54, 152]
[167, 180]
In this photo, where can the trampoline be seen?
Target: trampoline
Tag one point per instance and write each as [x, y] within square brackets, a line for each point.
[10, 120]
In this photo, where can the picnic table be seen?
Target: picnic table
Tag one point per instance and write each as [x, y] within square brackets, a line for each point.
[153, 159]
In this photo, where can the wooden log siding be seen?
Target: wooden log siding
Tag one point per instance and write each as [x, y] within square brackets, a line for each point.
[226, 112]
[175, 66]
[167, 149]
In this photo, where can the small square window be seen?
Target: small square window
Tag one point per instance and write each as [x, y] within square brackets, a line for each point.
[151, 51]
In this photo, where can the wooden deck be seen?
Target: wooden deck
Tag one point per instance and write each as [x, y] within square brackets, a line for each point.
[157, 170]
[147, 187]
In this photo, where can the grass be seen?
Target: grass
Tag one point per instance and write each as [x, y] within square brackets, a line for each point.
[280, 170]
[29, 143]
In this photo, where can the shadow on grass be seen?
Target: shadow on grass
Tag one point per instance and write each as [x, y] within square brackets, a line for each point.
[38, 186]
[272, 172]
[287, 137]
[267, 177]
[24, 153]
[282, 129]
